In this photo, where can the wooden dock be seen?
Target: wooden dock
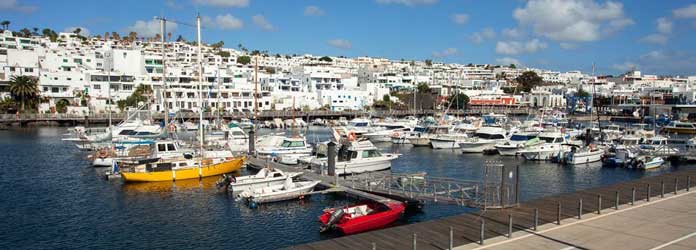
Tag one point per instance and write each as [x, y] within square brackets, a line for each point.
[477, 228]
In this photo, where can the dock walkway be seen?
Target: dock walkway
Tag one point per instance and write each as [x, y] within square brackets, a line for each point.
[473, 230]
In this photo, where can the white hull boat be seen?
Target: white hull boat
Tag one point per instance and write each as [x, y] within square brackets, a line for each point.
[287, 191]
[583, 156]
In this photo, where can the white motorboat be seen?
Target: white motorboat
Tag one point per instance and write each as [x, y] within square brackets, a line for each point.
[550, 149]
[584, 155]
[423, 139]
[402, 137]
[288, 151]
[658, 145]
[266, 177]
[517, 142]
[287, 191]
[356, 157]
[484, 139]
[647, 162]
[385, 134]
[451, 140]
[232, 137]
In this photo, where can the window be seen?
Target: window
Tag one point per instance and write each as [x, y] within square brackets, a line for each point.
[161, 147]
[65, 60]
[28, 70]
[54, 90]
[170, 147]
[96, 86]
[127, 87]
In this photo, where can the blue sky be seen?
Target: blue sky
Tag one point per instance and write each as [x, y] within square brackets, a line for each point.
[657, 37]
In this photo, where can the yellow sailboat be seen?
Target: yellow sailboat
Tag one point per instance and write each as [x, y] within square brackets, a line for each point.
[182, 169]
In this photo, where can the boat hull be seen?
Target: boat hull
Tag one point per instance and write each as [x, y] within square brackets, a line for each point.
[476, 147]
[444, 144]
[583, 158]
[188, 173]
[368, 222]
[419, 141]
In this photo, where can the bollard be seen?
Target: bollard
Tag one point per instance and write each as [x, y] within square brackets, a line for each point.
[662, 189]
[599, 204]
[558, 215]
[451, 239]
[633, 196]
[536, 218]
[688, 183]
[676, 185]
[331, 160]
[509, 226]
[616, 201]
[580, 209]
[414, 241]
[483, 227]
[648, 193]
[374, 246]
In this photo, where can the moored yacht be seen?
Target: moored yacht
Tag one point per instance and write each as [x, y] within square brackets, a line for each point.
[287, 151]
[356, 156]
[484, 139]
[551, 148]
[517, 142]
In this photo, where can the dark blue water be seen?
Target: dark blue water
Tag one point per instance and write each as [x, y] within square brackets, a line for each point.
[51, 198]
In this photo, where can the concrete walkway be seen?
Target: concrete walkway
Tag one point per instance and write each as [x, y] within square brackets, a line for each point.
[667, 223]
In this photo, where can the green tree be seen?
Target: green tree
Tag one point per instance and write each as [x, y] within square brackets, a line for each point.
[326, 59]
[180, 39]
[25, 32]
[7, 105]
[62, 106]
[5, 24]
[423, 88]
[429, 62]
[528, 80]
[244, 60]
[582, 93]
[223, 53]
[512, 66]
[24, 87]
[458, 101]
[218, 45]
[386, 98]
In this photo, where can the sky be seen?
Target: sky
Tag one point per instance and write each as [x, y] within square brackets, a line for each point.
[656, 37]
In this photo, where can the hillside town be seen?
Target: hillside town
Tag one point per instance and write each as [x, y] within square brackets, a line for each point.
[87, 75]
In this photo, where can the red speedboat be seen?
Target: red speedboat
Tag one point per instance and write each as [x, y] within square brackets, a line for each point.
[361, 218]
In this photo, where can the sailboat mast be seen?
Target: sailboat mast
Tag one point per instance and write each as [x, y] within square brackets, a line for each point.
[217, 106]
[200, 88]
[256, 88]
[163, 23]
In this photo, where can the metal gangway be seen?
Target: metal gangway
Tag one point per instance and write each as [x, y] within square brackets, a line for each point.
[498, 189]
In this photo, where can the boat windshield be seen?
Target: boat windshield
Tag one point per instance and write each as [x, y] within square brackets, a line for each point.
[550, 139]
[521, 137]
[489, 136]
[359, 124]
[371, 153]
[292, 144]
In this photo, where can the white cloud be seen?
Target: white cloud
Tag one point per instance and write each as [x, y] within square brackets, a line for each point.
[655, 39]
[14, 5]
[340, 43]
[223, 22]
[507, 61]
[686, 12]
[572, 20]
[568, 45]
[664, 25]
[481, 36]
[224, 3]
[624, 67]
[313, 11]
[516, 48]
[445, 53]
[460, 18]
[172, 4]
[407, 2]
[83, 31]
[511, 33]
[150, 28]
[262, 22]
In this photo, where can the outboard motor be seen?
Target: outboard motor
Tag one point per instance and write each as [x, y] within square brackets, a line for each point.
[335, 217]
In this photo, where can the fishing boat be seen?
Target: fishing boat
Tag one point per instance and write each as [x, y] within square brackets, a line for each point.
[358, 156]
[286, 191]
[360, 218]
[484, 139]
[180, 169]
[578, 155]
[517, 142]
[266, 177]
[677, 127]
[288, 151]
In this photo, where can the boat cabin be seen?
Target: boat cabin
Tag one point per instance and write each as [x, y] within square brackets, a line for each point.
[357, 150]
[293, 143]
[552, 138]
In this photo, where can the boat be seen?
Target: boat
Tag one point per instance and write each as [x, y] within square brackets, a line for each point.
[266, 177]
[676, 127]
[658, 145]
[358, 156]
[232, 137]
[451, 140]
[286, 191]
[551, 148]
[181, 169]
[578, 155]
[360, 218]
[484, 139]
[402, 137]
[385, 134]
[517, 142]
[646, 162]
[423, 139]
[287, 151]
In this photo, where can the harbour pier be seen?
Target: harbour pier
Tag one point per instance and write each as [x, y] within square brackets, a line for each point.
[553, 222]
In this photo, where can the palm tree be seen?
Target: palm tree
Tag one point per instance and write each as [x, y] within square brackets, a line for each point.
[5, 24]
[24, 87]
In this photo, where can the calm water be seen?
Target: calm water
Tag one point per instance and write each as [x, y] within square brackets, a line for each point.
[51, 198]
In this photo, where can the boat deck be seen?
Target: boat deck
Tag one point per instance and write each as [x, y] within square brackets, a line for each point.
[470, 230]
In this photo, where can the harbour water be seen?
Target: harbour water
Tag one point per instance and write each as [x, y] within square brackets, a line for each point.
[51, 198]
